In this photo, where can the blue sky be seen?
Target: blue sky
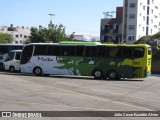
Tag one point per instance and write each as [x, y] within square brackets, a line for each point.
[80, 16]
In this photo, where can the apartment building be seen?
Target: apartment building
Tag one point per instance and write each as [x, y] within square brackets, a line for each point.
[140, 18]
[111, 27]
[20, 34]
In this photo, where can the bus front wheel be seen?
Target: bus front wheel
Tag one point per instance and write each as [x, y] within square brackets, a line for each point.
[37, 71]
[97, 74]
[112, 75]
[12, 69]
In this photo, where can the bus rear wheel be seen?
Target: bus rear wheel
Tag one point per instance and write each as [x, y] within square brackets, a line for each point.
[98, 74]
[12, 69]
[112, 75]
[37, 71]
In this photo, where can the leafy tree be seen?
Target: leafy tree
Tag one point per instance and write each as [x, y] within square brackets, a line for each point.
[5, 38]
[54, 33]
[143, 40]
[152, 40]
[156, 36]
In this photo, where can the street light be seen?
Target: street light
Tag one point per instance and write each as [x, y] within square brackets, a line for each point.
[51, 16]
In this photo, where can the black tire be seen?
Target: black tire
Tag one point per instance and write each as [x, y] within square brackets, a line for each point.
[98, 74]
[12, 69]
[1, 67]
[112, 75]
[37, 71]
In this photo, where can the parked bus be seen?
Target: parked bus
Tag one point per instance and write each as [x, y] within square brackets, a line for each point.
[5, 49]
[12, 61]
[111, 61]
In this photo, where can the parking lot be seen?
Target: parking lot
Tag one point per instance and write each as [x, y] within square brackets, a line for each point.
[19, 92]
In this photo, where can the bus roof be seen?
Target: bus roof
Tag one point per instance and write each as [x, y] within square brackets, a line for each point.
[127, 45]
[8, 44]
[90, 43]
[42, 44]
[80, 43]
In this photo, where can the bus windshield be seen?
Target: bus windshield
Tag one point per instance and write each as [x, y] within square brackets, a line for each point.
[26, 54]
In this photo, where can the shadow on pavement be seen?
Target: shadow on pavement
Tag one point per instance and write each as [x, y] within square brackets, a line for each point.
[71, 77]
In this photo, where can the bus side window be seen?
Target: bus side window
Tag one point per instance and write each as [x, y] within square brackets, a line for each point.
[51, 50]
[3, 49]
[102, 51]
[87, 51]
[94, 51]
[18, 54]
[9, 48]
[128, 52]
[71, 51]
[40, 50]
[113, 51]
[57, 50]
[80, 50]
[54, 50]
[10, 56]
[68, 50]
[138, 52]
[119, 52]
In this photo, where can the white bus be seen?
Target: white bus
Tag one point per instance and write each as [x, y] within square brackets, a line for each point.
[5, 49]
[12, 61]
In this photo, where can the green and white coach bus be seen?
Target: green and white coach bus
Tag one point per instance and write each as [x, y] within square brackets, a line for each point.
[111, 61]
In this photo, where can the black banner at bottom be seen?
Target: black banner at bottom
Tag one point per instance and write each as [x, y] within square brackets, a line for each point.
[79, 114]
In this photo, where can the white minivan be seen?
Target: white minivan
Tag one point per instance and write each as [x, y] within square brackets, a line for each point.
[12, 61]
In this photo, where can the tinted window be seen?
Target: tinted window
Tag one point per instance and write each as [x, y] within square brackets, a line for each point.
[10, 48]
[54, 50]
[10, 56]
[40, 50]
[113, 51]
[94, 51]
[18, 54]
[4, 49]
[128, 52]
[102, 51]
[18, 47]
[87, 51]
[80, 50]
[120, 52]
[138, 52]
[68, 51]
[26, 54]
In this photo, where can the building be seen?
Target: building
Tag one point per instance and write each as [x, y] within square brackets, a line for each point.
[85, 38]
[140, 18]
[111, 28]
[20, 34]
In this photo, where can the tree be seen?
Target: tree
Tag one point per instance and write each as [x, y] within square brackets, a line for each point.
[152, 40]
[54, 33]
[5, 38]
